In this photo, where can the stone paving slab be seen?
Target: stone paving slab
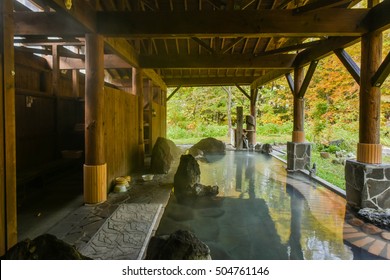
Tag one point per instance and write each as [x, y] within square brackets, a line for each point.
[125, 234]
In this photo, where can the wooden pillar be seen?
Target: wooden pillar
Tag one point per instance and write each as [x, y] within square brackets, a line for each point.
[8, 223]
[369, 149]
[299, 108]
[75, 83]
[253, 101]
[164, 103]
[239, 129]
[148, 116]
[138, 90]
[56, 75]
[95, 168]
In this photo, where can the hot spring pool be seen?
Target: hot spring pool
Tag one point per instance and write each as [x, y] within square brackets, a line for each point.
[262, 212]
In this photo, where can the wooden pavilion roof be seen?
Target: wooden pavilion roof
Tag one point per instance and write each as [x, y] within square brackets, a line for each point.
[198, 42]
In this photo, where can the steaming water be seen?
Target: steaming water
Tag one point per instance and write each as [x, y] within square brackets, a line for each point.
[261, 212]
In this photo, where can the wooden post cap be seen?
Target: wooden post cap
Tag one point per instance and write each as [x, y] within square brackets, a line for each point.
[298, 136]
[95, 183]
[369, 153]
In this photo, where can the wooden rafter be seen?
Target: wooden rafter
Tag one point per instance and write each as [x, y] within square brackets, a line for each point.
[203, 44]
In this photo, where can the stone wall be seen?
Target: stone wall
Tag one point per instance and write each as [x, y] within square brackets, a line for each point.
[367, 185]
[298, 156]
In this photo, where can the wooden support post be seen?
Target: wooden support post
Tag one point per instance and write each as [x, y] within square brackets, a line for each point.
[253, 110]
[56, 75]
[138, 90]
[8, 223]
[239, 129]
[369, 149]
[148, 116]
[95, 169]
[164, 104]
[299, 108]
[75, 83]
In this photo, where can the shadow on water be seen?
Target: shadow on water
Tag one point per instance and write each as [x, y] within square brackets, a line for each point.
[260, 213]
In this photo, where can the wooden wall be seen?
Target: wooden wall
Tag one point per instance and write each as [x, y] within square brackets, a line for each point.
[121, 133]
[158, 122]
[40, 135]
[46, 124]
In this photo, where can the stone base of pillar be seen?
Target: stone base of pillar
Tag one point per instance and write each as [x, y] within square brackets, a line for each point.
[95, 183]
[367, 185]
[298, 156]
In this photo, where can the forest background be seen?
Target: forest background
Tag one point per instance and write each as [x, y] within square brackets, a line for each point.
[331, 112]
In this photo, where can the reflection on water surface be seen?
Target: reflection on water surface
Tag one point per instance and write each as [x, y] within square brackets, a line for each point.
[261, 212]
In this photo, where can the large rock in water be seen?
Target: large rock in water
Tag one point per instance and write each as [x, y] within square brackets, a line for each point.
[208, 146]
[163, 154]
[187, 175]
[44, 247]
[187, 178]
[180, 245]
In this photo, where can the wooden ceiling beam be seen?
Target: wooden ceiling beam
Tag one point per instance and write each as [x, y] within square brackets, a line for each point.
[110, 62]
[276, 61]
[46, 24]
[320, 4]
[81, 11]
[345, 22]
[378, 18]
[156, 78]
[208, 81]
[123, 49]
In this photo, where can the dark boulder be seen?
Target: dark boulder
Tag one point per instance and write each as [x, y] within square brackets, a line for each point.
[264, 148]
[180, 245]
[377, 217]
[187, 175]
[208, 146]
[44, 247]
[187, 178]
[163, 154]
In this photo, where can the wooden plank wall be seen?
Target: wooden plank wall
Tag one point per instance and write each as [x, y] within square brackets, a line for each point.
[35, 125]
[36, 132]
[158, 127]
[121, 133]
